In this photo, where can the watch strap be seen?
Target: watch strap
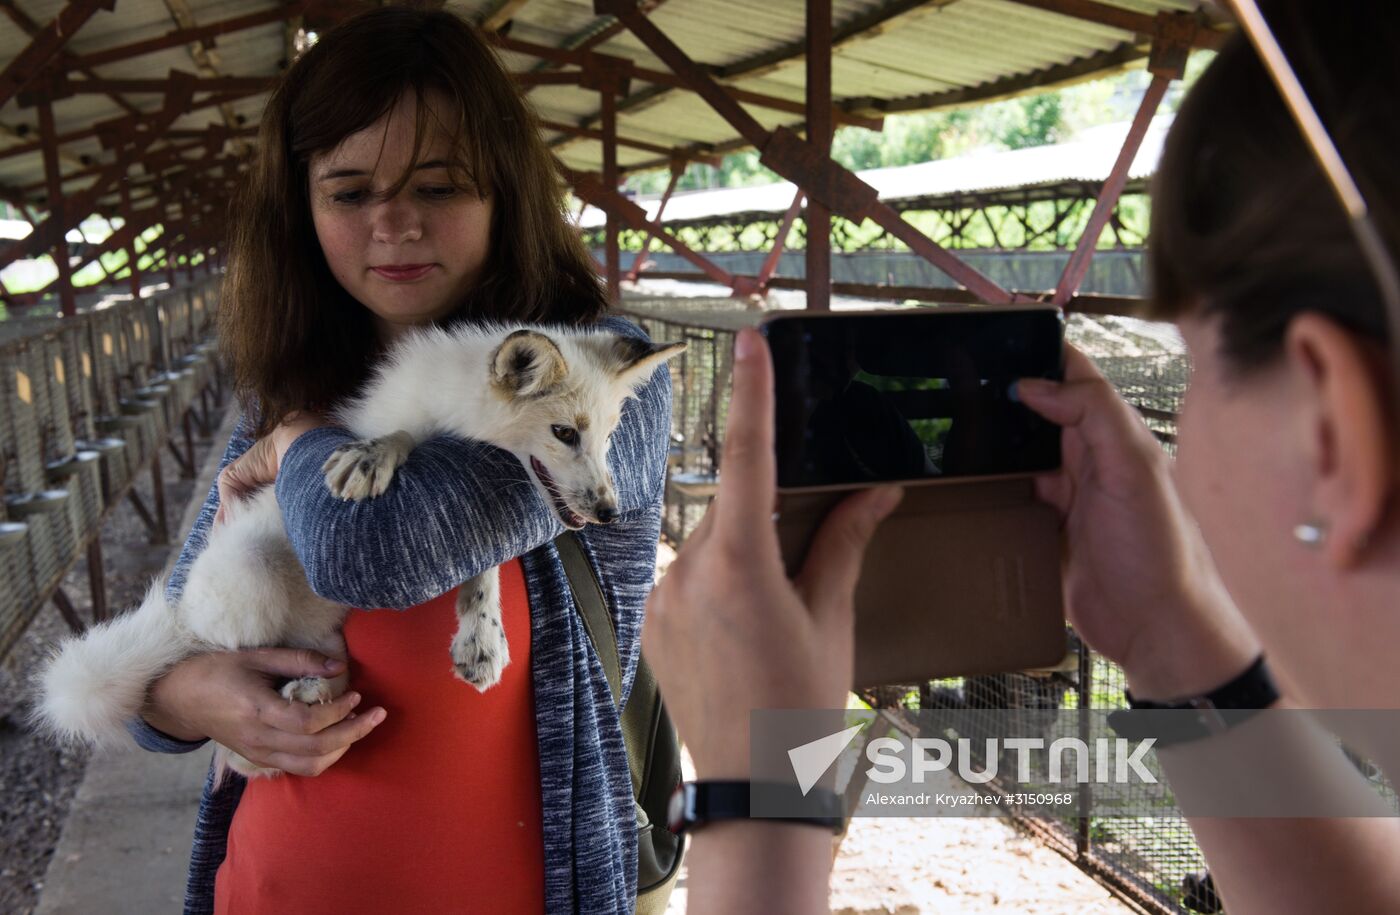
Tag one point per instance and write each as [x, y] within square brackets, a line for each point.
[698, 803]
[1215, 712]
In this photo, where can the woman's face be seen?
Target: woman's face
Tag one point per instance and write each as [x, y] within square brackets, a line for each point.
[1240, 471]
[409, 258]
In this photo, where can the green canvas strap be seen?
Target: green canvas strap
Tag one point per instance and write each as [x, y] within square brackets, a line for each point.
[647, 735]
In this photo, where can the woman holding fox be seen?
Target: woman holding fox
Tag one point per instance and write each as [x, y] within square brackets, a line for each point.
[399, 181]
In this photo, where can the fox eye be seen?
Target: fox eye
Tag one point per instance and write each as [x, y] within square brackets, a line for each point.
[566, 434]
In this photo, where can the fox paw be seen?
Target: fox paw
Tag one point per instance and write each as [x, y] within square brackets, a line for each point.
[311, 690]
[480, 653]
[364, 469]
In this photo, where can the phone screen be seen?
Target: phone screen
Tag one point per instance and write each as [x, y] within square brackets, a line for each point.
[874, 397]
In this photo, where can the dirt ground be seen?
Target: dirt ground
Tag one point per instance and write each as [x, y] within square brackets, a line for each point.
[37, 779]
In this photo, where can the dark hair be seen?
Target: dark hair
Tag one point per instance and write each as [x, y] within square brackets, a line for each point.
[1244, 223]
[294, 338]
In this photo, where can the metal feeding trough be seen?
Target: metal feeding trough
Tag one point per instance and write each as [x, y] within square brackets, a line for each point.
[58, 471]
[12, 533]
[36, 503]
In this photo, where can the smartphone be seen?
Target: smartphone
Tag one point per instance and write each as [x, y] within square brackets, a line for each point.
[902, 395]
[964, 577]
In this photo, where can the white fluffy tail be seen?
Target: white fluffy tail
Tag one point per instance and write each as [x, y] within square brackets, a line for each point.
[97, 682]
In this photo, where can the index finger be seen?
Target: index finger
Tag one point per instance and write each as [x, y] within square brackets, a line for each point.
[748, 471]
[292, 717]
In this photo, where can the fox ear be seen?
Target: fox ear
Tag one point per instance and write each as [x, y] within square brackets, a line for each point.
[527, 364]
[633, 360]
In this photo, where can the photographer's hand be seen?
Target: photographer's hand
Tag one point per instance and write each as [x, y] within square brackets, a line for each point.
[727, 632]
[1140, 585]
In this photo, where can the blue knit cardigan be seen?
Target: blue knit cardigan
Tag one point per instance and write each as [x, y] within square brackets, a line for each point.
[453, 510]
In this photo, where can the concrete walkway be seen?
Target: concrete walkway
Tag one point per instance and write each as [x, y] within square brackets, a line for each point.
[127, 841]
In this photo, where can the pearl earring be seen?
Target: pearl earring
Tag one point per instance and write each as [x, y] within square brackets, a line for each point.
[1311, 535]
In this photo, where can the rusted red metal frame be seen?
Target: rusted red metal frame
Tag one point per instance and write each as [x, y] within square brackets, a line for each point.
[790, 156]
[588, 133]
[57, 210]
[117, 128]
[775, 253]
[119, 239]
[1078, 265]
[46, 44]
[32, 28]
[1175, 37]
[677, 169]
[204, 34]
[1129, 21]
[84, 202]
[592, 59]
[595, 192]
[819, 128]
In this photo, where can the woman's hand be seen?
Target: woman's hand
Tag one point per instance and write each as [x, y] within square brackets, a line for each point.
[258, 466]
[231, 697]
[1140, 585]
[726, 631]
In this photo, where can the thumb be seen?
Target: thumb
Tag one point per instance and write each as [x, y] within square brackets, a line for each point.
[292, 662]
[832, 568]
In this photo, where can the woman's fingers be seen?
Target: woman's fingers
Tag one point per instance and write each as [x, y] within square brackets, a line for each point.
[292, 662]
[247, 473]
[832, 568]
[300, 718]
[748, 472]
[332, 739]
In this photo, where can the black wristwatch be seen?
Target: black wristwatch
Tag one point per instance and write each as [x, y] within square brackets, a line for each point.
[1215, 712]
[696, 803]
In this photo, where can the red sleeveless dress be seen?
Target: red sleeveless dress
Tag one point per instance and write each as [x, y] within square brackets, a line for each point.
[437, 810]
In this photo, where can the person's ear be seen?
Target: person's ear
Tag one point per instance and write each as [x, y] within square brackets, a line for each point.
[1345, 430]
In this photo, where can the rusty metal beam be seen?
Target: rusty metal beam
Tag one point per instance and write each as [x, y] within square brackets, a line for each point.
[591, 59]
[1078, 265]
[1117, 17]
[677, 169]
[868, 23]
[591, 190]
[247, 85]
[590, 134]
[1121, 56]
[775, 253]
[45, 45]
[787, 154]
[68, 304]
[500, 14]
[32, 28]
[82, 203]
[203, 33]
[118, 129]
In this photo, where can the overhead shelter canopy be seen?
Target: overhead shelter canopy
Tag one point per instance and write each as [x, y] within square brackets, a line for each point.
[160, 99]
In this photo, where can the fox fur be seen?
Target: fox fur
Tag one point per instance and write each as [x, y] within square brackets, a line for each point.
[550, 395]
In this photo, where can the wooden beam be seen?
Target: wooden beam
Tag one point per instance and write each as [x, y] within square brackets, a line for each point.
[57, 210]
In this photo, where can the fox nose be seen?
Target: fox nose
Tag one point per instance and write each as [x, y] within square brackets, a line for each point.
[606, 513]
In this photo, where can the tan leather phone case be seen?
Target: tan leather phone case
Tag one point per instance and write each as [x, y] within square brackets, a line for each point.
[963, 578]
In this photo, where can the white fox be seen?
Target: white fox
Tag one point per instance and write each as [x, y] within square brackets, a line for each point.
[552, 398]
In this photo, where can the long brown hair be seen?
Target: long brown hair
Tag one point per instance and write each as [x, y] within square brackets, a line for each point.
[1244, 224]
[294, 338]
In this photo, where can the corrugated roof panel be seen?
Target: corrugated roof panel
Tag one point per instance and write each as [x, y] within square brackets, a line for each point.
[929, 49]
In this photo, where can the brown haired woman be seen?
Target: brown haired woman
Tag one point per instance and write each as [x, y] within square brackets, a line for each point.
[400, 180]
[1276, 531]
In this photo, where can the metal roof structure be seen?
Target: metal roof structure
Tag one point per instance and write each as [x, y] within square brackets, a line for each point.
[158, 100]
